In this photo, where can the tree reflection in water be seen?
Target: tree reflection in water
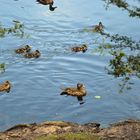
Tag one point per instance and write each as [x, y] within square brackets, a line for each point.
[132, 10]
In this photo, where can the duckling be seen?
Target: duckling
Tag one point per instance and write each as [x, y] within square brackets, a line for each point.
[25, 49]
[47, 2]
[78, 91]
[99, 27]
[34, 54]
[5, 86]
[82, 48]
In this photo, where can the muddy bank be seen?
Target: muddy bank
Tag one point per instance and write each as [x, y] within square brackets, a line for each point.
[58, 130]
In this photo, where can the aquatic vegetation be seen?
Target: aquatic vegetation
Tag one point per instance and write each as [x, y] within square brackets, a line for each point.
[16, 30]
[5, 86]
[69, 136]
[133, 11]
[121, 63]
[2, 67]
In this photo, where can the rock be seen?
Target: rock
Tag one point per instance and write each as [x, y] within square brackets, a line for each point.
[125, 130]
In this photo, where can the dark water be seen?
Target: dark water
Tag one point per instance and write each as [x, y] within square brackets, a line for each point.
[34, 96]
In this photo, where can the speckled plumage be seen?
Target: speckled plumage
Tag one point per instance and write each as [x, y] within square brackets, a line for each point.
[34, 54]
[5, 86]
[24, 49]
[78, 91]
[82, 48]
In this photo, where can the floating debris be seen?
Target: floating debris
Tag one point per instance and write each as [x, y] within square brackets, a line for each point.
[97, 97]
[34, 54]
[82, 48]
[78, 91]
[24, 49]
[5, 86]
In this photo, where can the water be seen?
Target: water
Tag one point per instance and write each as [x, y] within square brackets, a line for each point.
[36, 83]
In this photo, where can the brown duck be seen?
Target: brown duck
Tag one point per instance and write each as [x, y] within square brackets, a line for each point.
[5, 86]
[47, 2]
[24, 49]
[78, 91]
[99, 27]
[34, 54]
[82, 48]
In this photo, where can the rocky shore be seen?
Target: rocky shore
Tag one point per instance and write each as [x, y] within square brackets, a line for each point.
[59, 130]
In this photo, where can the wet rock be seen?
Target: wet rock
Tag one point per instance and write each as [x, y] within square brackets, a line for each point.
[126, 130]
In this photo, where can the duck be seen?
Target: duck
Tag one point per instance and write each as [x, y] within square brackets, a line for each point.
[5, 86]
[34, 54]
[79, 91]
[24, 49]
[47, 2]
[82, 48]
[99, 27]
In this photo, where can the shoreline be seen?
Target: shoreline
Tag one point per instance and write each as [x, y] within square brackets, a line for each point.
[124, 130]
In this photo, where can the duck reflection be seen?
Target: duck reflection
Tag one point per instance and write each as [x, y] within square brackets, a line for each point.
[47, 2]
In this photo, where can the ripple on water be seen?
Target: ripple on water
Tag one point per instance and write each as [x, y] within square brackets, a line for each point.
[35, 93]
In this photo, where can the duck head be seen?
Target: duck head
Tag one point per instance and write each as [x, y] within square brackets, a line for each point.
[81, 88]
[84, 48]
[28, 48]
[37, 54]
[7, 86]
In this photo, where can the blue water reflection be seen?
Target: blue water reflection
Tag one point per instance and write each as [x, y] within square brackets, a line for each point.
[34, 96]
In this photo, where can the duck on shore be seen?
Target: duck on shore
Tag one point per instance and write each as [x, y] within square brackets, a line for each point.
[5, 86]
[34, 54]
[47, 2]
[78, 91]
[24, 49]
[82, 48]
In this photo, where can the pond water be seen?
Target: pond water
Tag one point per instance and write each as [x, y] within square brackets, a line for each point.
[35, 93]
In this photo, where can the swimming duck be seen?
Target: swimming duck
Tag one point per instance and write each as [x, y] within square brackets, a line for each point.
[34, 54]
[82, 48]
[78, 91]
[99, 27]
[47, 2]
[5, 86]
[24, 49]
